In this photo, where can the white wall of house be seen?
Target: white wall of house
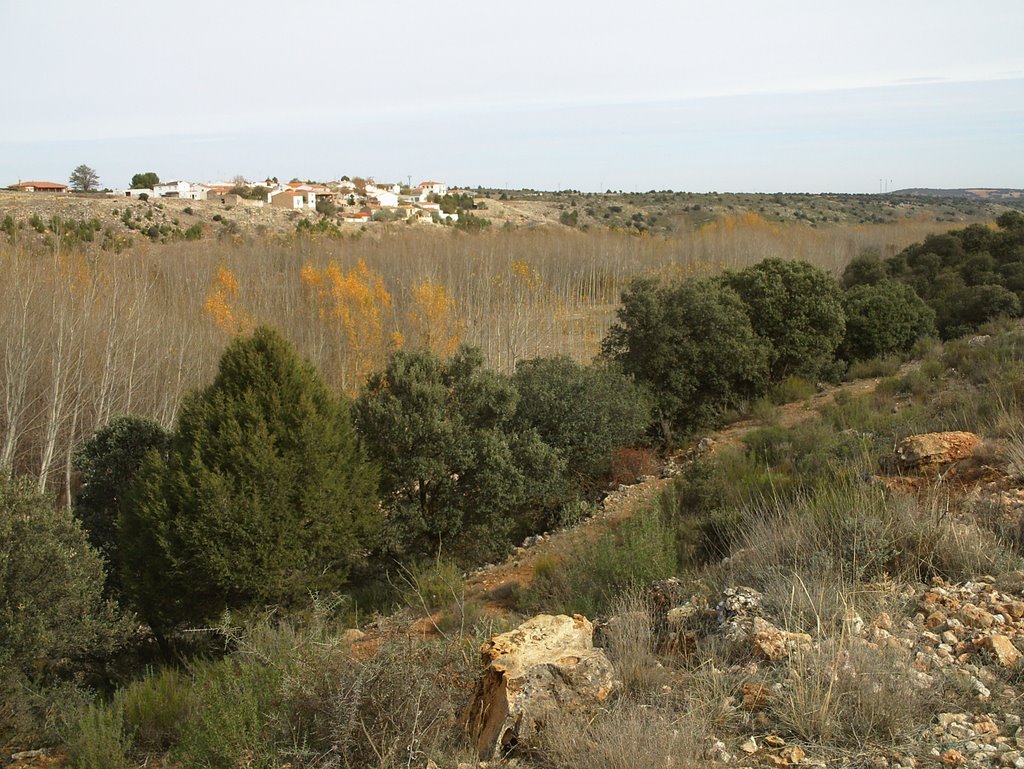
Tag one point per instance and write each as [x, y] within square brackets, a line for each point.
[173, 190]
[135, 193]
[386, 199]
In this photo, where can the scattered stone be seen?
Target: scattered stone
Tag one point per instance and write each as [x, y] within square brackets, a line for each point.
[1002, 649]
[717, 752]
[975, 616]
[774, 644]
[793, 754]
[755, 696]
[953, 757]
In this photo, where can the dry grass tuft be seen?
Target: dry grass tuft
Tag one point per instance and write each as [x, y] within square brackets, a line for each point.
[845, 691]
[625, 737]
[630, 643]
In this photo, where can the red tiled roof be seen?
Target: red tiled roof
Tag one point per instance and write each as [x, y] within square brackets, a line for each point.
[43, 185]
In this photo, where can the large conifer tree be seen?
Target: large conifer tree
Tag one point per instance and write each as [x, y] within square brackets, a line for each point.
[265, 496]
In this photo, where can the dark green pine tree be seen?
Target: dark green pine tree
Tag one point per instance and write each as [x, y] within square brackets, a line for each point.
[265, 497]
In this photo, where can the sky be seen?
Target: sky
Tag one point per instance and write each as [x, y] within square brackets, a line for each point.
[735, 95]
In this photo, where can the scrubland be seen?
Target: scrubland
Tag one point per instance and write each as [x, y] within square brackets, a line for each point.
[206, 647]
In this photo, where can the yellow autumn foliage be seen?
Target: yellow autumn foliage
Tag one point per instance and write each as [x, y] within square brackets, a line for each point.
[432, 319]
[222, 304]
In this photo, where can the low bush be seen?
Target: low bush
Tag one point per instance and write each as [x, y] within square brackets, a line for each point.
[639, 551]
[874, 367]
[96, 738]
[792, 389]
[156, 707]
[630, 464]
[230, 725]
[863, 533]
[431, 585]
[630, 643]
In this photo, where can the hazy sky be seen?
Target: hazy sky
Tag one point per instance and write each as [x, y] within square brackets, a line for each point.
[740, 95]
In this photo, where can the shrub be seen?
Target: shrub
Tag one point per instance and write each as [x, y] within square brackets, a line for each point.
[796, 309]
[867, 269]
[845, 692]
[326, 207]
[862, 533]
[431, 585]
[585, 412]
[454, 472]
[228, 726]
[963, 310]
[107, 464]
[630, 642]
[471, 222]
[629, 465]
[52, 611]
[265, 496]
[156, 708]
[883, 319]
[692, 346]
[641, 550]
[874, 367]
[96, 739]
[322, 707]
[625, 736]
[792, 389]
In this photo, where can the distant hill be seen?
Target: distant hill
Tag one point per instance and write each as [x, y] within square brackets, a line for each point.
[984, 193]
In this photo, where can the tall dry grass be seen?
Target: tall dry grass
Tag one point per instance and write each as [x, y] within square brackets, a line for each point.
[88, 336]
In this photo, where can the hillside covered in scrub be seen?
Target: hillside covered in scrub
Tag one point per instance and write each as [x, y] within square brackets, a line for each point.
[266, 507]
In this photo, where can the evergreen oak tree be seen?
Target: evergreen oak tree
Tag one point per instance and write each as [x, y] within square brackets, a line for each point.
[797, 309]
[455, 473]
[692, 346]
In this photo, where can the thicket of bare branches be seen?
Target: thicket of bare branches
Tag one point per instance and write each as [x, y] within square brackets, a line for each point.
[86, 337]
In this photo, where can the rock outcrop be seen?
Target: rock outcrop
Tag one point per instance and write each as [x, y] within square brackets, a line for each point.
[547, 665]
[933, 451]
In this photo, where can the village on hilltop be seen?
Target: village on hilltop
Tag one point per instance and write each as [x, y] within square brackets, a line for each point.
[353, 200]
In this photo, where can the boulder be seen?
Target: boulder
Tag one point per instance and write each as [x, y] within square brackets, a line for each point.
[547, 665]
[1000, 647]
[930, 451]
[774, 644]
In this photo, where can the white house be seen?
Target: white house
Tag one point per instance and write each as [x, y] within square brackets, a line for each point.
[175, 189]
[135, 193]
[433, 188]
